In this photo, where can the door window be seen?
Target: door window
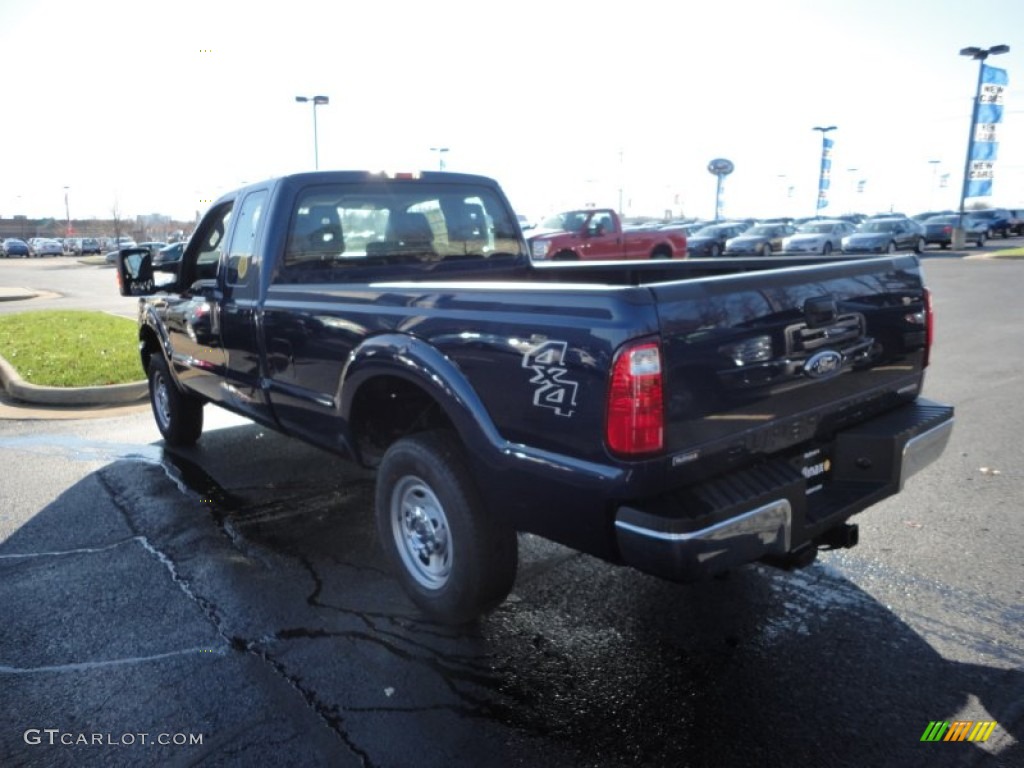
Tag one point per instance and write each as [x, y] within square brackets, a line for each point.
[243, 240]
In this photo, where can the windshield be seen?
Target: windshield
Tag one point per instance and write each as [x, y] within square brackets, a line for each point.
[710, 231]
[761, 231]
[877, 226]
[568, 221]
[817, 228]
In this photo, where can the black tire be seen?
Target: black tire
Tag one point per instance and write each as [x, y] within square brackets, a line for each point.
[179, 416]
[891, 248]
[826, 249]
[661, 253]
[565, 256]
[981, 240]
[714, 251]
[919, 245]
[454, 560]
[943, 245]
[766, 250]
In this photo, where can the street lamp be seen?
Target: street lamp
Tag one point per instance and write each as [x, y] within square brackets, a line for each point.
[317, 101]
[67, 214]
[980, 54]
[440, 156]
[826, 165]
[934, 185]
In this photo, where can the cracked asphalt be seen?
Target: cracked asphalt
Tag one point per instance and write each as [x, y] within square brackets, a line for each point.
[231, 599]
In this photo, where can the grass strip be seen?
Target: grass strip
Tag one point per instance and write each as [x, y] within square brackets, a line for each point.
[71, 348]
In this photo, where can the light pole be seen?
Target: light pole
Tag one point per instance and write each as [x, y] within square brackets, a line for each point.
[931, 192]
[825, 173]
[853, 188]
[317, 101]
[440, 156]
[980, 54]
[67, 214]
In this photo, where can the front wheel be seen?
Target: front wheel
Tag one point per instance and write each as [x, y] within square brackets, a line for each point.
[766, 250]
[179, 417]
[891, 248]
[454, 559]
[714, 252]
[919, 245]
[826, 249]
[981, 240]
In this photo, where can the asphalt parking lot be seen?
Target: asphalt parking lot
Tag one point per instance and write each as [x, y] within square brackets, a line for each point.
[230, 600]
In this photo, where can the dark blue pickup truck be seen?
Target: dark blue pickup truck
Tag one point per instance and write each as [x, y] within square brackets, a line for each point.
[683, 418]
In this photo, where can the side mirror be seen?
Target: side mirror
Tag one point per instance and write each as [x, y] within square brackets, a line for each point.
[135, 272]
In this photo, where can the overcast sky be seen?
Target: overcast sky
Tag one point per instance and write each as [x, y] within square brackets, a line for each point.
[158, 107]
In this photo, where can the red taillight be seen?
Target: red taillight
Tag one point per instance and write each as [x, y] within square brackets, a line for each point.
[635, 422]
[929, 326]
[947, 230]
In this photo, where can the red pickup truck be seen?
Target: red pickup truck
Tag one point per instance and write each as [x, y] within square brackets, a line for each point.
[596, 234]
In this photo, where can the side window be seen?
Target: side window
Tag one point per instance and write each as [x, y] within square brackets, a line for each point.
[243, 241]
[211, 243]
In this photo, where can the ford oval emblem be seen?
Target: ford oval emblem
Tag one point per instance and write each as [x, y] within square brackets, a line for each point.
[721, 167]
[823, 364]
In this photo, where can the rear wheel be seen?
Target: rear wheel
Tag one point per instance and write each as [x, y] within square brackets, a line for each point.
[919, 245]
[454, 560]
[826, 249]
[661, 253]
[565, 256]
[766, 249]
[714, 251]
[179, 416]
[891, 248]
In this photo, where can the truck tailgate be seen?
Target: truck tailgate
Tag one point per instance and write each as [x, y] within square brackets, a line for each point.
[756, 362]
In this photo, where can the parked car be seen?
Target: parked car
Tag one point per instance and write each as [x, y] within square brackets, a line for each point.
[154, 246]
[759, 240]
[82, 246]
[938, 230]
[45, 246]
[12, 246]
[169, 254]
[1016, 221]
[998, 220]
[885, 236]
[818, 237]
[125, 243]
[597, 234]
[710, 241]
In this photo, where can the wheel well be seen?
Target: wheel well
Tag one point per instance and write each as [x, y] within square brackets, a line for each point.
[150, 345]
[566, 255]
[387, 408]
[661, 252]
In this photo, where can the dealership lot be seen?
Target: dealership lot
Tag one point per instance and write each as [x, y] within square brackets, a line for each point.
[235, 592]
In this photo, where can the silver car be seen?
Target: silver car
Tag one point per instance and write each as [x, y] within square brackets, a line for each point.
[824, 237]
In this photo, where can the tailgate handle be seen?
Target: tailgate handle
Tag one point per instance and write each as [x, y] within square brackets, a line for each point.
[820, 310]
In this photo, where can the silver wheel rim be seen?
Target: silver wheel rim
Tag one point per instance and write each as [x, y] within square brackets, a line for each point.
[421, 532]
[161, 400]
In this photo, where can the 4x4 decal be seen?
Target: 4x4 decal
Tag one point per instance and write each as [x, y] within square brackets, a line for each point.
[547, 361]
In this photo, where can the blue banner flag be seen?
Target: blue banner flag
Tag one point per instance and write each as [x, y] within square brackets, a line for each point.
[826, 172]
[984, 147]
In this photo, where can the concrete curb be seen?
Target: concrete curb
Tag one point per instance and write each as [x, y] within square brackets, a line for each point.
[114, 394]
[16, 294]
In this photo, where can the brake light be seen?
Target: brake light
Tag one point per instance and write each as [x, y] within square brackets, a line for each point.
[635, 421]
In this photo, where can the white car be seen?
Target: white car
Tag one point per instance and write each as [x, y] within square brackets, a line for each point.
[43, 246]
[821, 236]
